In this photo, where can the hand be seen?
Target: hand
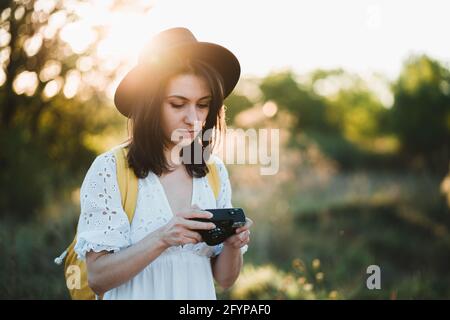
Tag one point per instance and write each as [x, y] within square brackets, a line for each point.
[242, 236]
[179, 230]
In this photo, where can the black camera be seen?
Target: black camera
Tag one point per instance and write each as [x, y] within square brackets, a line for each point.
[227, 220]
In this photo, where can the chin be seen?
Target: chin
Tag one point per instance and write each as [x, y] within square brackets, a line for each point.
[185, 143]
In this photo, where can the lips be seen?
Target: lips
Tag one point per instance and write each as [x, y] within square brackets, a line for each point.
[190, 133]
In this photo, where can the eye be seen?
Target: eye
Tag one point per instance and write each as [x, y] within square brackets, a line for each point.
[176, 105]
[203, 106]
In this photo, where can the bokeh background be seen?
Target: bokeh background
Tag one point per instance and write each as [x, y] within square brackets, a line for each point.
[360, 91]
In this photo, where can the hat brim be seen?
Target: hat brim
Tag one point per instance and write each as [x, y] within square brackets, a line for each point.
[220, 58]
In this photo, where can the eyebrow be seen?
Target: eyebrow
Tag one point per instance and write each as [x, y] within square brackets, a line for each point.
[184, 98]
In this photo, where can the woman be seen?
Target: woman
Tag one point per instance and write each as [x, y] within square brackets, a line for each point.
[175, 92]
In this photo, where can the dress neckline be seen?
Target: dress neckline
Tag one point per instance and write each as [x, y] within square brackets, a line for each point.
[164, 195]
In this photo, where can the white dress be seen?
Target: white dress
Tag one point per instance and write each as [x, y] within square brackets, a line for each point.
[181, 272]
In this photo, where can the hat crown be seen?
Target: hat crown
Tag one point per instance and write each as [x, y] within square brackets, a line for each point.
[158, 53]
[164, 41]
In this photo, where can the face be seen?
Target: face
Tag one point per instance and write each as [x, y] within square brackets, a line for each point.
[185, 108]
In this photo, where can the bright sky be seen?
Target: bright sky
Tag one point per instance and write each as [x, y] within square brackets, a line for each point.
[358, 35]
[362, 36]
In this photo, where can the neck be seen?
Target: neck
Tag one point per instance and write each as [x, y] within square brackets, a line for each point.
[170, 158]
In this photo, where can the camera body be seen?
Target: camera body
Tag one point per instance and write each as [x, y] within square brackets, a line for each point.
[227, 220]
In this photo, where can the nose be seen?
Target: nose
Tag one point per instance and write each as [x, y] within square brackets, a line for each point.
[191, 116]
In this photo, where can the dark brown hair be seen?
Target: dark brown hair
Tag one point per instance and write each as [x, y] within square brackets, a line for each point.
[146, 142]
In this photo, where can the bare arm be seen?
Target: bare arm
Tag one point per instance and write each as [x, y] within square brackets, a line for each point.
[108, 270]
[227, 265]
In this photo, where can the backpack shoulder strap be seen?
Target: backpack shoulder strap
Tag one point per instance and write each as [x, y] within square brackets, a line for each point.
[127, 180]
[214, 179]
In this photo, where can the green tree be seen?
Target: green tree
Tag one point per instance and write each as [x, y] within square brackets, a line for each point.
[333, 108]
[234, 104]
[308, 108]
[421, 112]
[44, 117]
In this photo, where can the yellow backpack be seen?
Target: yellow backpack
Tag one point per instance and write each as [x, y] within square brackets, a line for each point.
[75, 271]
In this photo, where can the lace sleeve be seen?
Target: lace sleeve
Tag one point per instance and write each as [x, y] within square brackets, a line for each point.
[103, 224]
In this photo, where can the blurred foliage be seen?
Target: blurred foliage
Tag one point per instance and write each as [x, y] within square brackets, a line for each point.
[421, 112]
[234, 104]
[268, 282]
[308, 108]
[334, 109]
[343, 114]
[445, 187]
[42, 135]
[28, 249]
[348, 220]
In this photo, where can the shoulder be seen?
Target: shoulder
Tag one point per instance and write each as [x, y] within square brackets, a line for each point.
[221, 168]
[109, 156]
[106, 156]
[215, 159]
[104, 161]
[224, 196]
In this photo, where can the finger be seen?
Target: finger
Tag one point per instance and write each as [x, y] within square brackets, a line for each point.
[242, 229]
[196, 208]
[190, 209]
[240, 243]
[188, 240]
[244, 235]
[247, 226]
[241, 235]
[234, 243]
[234, 240]
[193, 235]
[198, 225]
[197, 214]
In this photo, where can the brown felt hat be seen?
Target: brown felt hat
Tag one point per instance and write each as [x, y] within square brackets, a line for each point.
[179, 41]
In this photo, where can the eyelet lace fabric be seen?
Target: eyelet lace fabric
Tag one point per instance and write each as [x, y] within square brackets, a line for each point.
[104, 225]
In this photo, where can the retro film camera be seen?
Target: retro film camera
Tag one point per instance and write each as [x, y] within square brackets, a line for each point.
[227, 220]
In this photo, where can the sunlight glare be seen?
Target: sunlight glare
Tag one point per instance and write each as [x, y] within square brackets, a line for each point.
[52, 88]
[51, 70]
[269, 109]
[25, 83]
[78, 35]
[2, 77]
[72, 83]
